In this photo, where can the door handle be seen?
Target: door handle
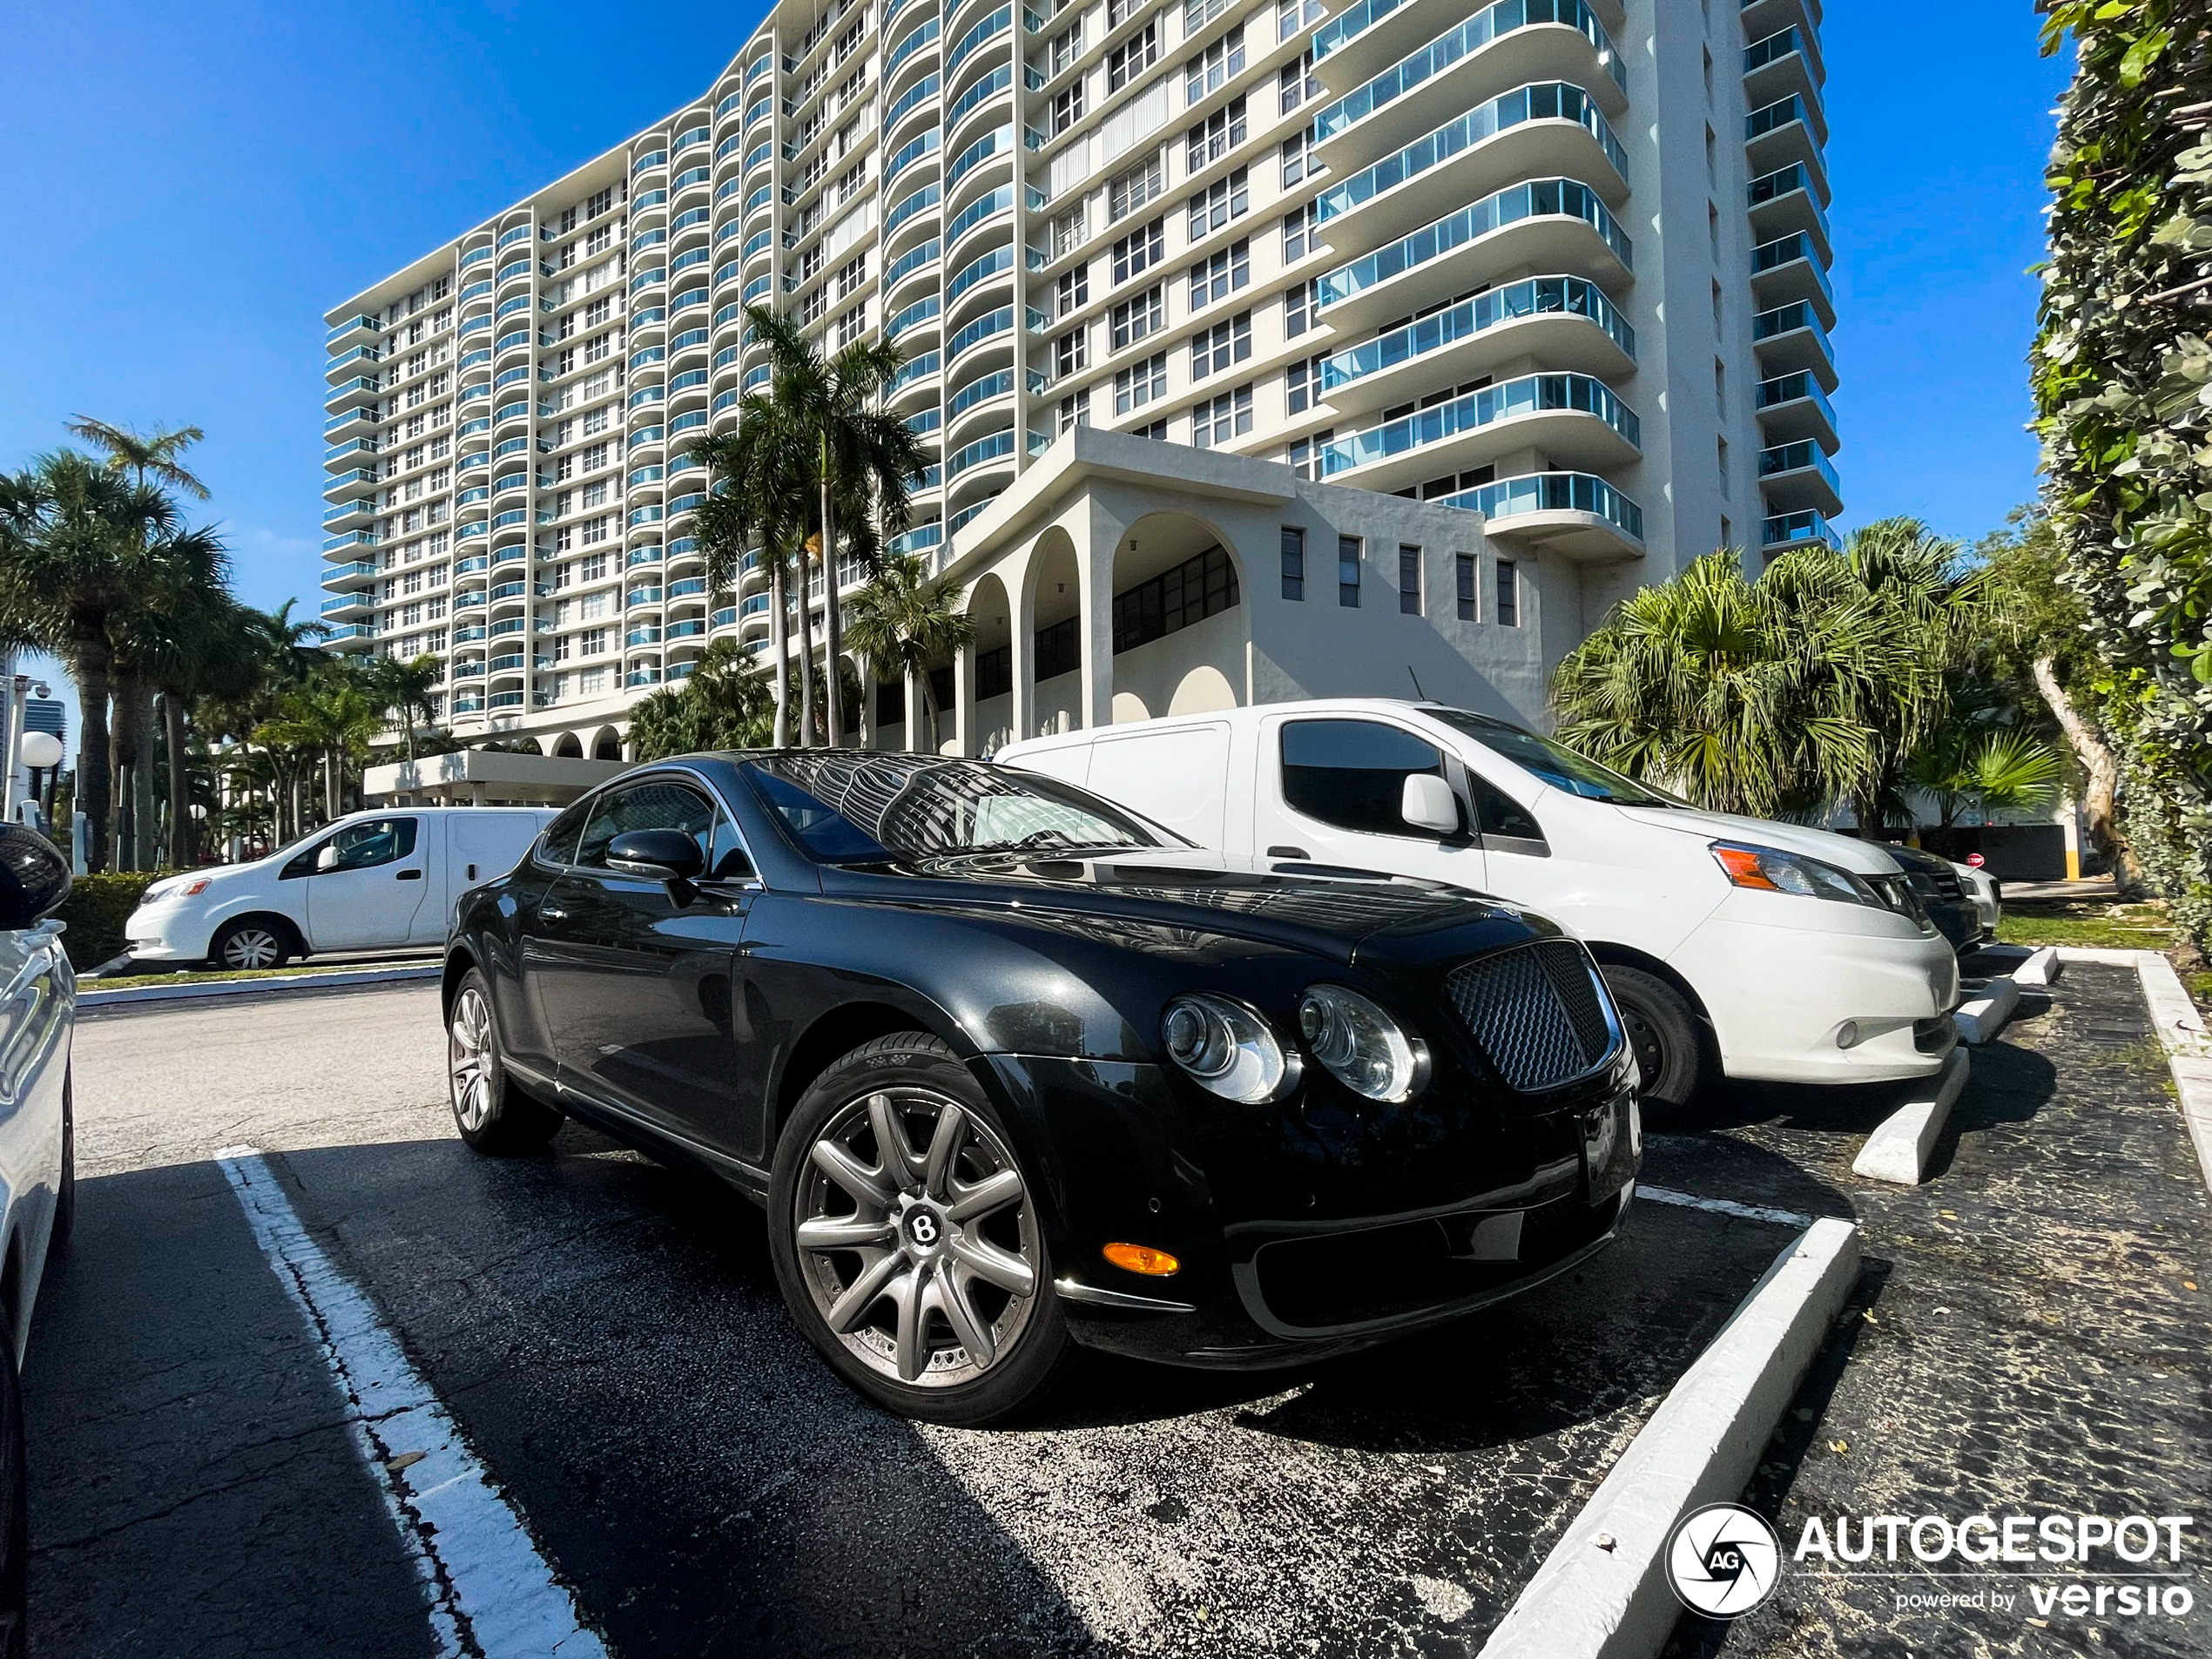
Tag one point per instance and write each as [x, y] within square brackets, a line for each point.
[408, 876]
[1288, 852]
[551, 913]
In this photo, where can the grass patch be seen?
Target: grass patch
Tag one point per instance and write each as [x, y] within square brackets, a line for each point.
[2088, 927]
[130, 981]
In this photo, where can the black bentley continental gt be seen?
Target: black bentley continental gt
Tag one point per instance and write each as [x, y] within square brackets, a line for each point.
[1015, 1071]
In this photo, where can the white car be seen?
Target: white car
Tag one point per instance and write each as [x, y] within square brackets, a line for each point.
[1733, 945]
[368, 881]
[1989, 897]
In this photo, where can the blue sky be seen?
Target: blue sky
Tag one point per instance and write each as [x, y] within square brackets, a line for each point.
[188, 189]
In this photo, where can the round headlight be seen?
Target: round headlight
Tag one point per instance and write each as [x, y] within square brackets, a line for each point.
[1226, 1046]
[1361, 1046]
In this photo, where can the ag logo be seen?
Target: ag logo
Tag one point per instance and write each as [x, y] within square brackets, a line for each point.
[1723, 1560]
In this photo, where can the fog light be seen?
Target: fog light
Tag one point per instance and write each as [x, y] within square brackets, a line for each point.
[1848, 1038]
[1142, 1259]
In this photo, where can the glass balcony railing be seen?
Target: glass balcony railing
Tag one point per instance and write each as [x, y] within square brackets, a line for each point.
[1803, 456]
[992, 264]
[1785, 530]
[1450, 47]
[1783, 250]
[906, 206]
[1563, 197]
[359, 571]
[1554, 492]
[922, 143]
[518, 268]
[1515, 301]
[924, 88]
[1530, 395]
[343, 601]
[641, 597]
[514, 234]
[998, 80]
[348, 540]
[686, 587]
[908, 45]
[998, 143]
[652, 158]
[1774, 117]
[920, 539]
[915, 315]
[996, 322]
[362, 325]
[1550, 100]
[1772, 50]
[914, 259]
[476, 256]
[916, 368]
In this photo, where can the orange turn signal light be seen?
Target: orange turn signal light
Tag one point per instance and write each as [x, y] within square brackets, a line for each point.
[1142, 1259]
[1742, 867]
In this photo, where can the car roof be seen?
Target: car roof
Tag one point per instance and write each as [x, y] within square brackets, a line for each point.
[1244, 712]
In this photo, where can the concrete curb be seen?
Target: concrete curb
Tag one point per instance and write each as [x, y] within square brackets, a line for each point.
[1981, 1017]
[2193, 1082]
[2041, 967]
[1898, 1149]
[1603, 1592]
[92, 997]
[2181, 1033]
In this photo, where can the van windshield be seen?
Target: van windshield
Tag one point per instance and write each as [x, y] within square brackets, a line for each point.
[1554, 763]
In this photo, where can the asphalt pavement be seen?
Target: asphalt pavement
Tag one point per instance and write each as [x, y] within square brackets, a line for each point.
[607, 1336]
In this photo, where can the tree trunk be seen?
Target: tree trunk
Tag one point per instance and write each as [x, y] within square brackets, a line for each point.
[334, 784]
[2098, 766]
[122, 757]
[929, 705]
[779, 648]
[142, 811]
[805, 658]
[831, 631]
[180, 847]
[90, 661]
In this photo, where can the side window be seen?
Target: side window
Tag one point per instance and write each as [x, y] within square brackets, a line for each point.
[1499, 815]
[558, 846]
[652, 805]
[358, 846]
[1352, 774]
[730, 861]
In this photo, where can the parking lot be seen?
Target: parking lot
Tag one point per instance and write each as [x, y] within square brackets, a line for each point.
[2030, 1331]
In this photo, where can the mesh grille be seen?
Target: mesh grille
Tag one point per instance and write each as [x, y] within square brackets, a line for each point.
[1536, 1012]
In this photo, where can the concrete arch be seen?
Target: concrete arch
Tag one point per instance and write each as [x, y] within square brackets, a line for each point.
[984, 689]
[1203, 690]
[1052, 601]
[568, 746]
[1184, 627]
[606, 744]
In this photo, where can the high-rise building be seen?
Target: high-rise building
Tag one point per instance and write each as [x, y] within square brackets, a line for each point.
[1504, 311]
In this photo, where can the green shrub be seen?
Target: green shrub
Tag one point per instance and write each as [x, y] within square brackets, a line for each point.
[96, 909]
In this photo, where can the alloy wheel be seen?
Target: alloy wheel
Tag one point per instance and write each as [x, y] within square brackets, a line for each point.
[924, 1264]
[251, 948]
[469, 1058]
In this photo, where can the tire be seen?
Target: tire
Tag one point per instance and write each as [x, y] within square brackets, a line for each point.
[917, 1238]
[1674, 1058]
[65, 1191]
[490, 1108]
[15, 1510]
[251, 942]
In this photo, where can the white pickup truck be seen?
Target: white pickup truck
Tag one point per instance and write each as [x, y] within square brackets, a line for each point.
[369, 881]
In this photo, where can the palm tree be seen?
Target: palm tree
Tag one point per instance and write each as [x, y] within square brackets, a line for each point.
[140, 454]
[756, 505]
[73, 537]
[183, 630]
[405, 687]
[901, 617]
[1997, 767]
[865, 459]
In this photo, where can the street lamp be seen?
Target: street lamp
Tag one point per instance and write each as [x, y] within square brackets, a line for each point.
[39, 752]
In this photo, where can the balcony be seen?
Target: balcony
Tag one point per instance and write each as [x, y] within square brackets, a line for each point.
[349, 542]
[348, 364]
[1507, 44]
[345, 604]
[348, 514]
[339, 575]
[1793, 408]
[1790, 532]
[1570, 513]
[362, 481]
[1549, 223]
[1560, 320]
[1776, 65]
[1794, 476]
[1792, 337]
[1788, 130]
[354, 331]
[359, 422]
[361, 388]
[1572, 419]
[1791, 199]
[359, 636]
[1789, 268]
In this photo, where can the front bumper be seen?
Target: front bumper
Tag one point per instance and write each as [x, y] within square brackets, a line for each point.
[165, 934]
[1301, 1233]
[1781, 997]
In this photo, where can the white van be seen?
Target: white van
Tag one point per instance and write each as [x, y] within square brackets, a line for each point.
[368, 881]
[1733, 945]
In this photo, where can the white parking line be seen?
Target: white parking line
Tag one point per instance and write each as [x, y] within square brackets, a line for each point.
[1724, 1206]
[490, 1592]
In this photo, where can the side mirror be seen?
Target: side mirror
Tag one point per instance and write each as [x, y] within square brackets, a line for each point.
[326, 856]
[34, 877]
[1428, 804]
[655, 855]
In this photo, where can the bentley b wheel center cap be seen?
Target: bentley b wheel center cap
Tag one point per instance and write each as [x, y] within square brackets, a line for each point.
[922, 1227]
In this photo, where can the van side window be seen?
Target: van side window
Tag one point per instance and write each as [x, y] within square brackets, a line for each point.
[1499, 815]
[1352, 774]
[360, 846]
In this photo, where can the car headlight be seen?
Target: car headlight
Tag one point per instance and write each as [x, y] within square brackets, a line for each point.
[1361, 1046]
[1228, 1048]
[1768, 869]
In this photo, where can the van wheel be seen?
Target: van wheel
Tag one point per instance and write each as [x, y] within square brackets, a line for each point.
[1664, 1034]
[250, 943]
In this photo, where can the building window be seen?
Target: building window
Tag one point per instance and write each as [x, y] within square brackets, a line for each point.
[1174, 600]
[1300, 305]
[1348, 571]
[1294, 161]
[1301, 232]
[1302, 386]
[1720, 457]
[1463, 576]
[1075, 410]
[1409, 579]
[1215, 136]
[1157, 431]
[852, 326]
[1059, 649]
[1144, 314]
[1221, 275]
[1071, 353]
[1218, 420]
[1509, 594]
[1141, 184]
[1196, 14]
[1066, 106]
[1133, 56]
[1074, 289]
[1068, 231]
[1214, 68]
[1291, 15]
[1304, 457]
[1215, 349]
[1141, 383]
[1293, 562]
[1067, 46]
[1140, 250]
[851, 275]
[1219, 202]
[1297, 83]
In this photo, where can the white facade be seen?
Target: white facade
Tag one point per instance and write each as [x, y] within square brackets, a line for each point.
[1553, 270]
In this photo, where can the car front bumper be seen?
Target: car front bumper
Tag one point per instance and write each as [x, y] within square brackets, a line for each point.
[1821, 1005]
[1286, 1257]
[165, 934]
